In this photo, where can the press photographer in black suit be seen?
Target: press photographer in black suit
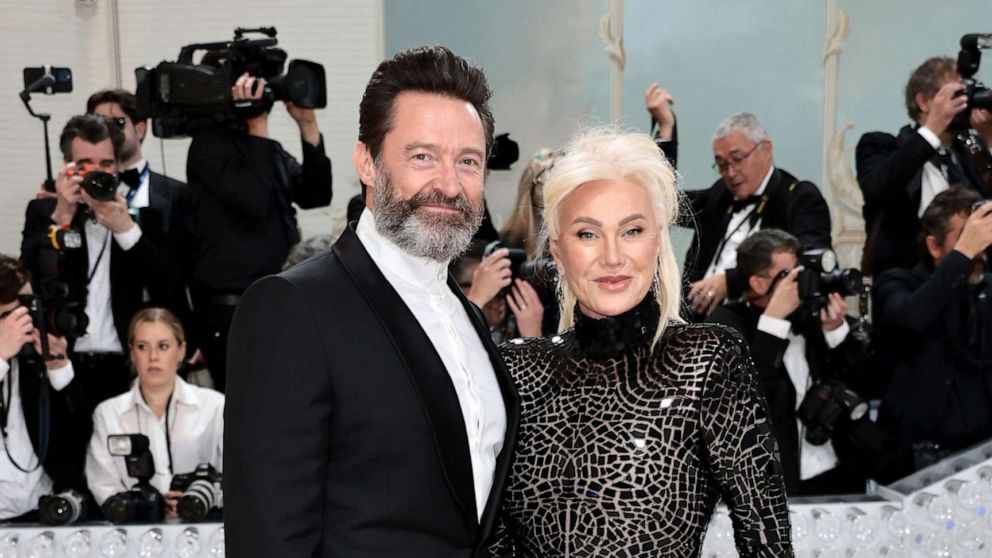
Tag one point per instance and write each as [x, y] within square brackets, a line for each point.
[28, 437]
[795, 349]
[938, 318]
[243, 187]
[117, 269]
[751, 194]
[900, 175]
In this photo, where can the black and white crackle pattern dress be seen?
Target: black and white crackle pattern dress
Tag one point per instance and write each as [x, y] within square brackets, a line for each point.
[625, 452]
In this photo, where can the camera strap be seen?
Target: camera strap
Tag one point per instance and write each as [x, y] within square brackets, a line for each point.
[168, 437]
[6, 393]
[99, 258]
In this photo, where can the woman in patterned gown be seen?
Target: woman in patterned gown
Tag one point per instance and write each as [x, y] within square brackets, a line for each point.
[633, 423]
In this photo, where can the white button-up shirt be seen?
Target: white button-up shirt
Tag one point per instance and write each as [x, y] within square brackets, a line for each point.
[422, 284]
[19, 491]
[813, 460]
[738, 229]
[196, 435]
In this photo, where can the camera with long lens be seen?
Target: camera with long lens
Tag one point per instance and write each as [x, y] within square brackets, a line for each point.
[99, 184]
[64, 508]
[821, 276]
[828, 406]
[142, 503]
[533, 271]
[969, 58]
[202, 492]
[181, 95]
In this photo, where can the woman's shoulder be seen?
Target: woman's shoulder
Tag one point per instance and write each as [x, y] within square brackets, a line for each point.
[530, 360]
[703, 337]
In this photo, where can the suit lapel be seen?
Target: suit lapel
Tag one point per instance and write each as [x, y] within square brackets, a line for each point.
[159, 199]
[422, 364]
[510, 400]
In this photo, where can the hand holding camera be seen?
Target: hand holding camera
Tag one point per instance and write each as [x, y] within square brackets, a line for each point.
[785, 298]
[112, 214]
[250, 89]
[527, 308]
[68, 188]
[976, 235]
[945, 105]
[491, 276]
[16, 330]
[832, 315]
[58, 348]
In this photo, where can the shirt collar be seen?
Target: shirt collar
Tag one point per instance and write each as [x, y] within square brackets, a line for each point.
[182, 393]
[139, 166]
[764, 183]
[414, 271]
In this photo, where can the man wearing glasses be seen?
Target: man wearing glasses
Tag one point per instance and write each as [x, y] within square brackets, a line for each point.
[751, 194]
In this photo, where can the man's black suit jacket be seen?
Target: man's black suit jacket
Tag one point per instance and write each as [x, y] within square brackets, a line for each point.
[344, 436]
[143, 270]
[939, 391]
[890, 171]
[66, 449]
[794, 206]
[768, 352]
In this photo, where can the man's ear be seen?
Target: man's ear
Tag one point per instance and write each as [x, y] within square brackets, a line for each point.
[365, 169]
[933, 247]
[922, 102]
[140, 129]
[754, 283]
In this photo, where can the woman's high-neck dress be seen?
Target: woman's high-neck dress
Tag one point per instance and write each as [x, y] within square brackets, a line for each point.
[623, 451]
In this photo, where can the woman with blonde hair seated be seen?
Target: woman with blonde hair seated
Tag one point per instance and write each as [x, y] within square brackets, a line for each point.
[184, 423]
[633, 424]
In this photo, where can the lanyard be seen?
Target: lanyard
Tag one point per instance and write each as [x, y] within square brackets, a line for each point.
[99, 257]
[8, 383]
[134, 191]
[168, 438]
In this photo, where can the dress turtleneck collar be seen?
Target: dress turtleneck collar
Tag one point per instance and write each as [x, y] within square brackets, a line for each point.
[613, 335]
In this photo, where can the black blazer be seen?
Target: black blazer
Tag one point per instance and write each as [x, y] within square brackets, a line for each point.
[143, 270]
[933, 391]
[66, 450]
[767, 350]
[890, 173]
[344, 434]
[794, 206]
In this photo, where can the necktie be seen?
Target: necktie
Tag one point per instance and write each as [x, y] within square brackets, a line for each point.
[737, 205]
[952, 171]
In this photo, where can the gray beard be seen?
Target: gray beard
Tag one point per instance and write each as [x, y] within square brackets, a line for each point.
[437, 237]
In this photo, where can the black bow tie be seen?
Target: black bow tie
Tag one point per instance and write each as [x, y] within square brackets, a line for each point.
[737, 205]
[131, 177]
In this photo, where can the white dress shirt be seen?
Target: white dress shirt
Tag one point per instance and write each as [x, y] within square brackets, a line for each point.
[101, 335]
[422, 284]
[813, 459]
[196, 435]
[932, 178]
[19, 491]
[140, 197]
[727, 257]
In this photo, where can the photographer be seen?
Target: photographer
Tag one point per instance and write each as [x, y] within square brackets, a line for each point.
[25, 439]
[116, 268]
[900, 175]
[751, 194]
[489, 276]
[795, 348]
[938, 320]
[242, 187]
[184, 423]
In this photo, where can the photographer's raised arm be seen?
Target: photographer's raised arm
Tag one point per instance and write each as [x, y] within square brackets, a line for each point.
[312, 181]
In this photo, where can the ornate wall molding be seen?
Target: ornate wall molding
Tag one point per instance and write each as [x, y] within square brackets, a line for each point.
[611, 33]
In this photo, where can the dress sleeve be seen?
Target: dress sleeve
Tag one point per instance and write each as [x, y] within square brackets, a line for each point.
[741, 451]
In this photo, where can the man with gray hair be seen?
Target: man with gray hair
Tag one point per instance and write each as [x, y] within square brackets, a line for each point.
[751, 194]
[370, 414]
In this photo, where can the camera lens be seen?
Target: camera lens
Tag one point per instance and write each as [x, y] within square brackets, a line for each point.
[60, 509]
[117, 508]
[101, 186]
[197, 501]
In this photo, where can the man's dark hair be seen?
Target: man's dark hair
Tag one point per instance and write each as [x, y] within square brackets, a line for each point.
[92, 129]
[13, 275]
[936, 219]
[428, 69]
[120, 97]
[755, 254]
[927, 79]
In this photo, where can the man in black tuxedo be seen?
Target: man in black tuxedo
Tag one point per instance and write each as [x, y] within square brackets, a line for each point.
[900, 175]
[157, 202]
[29, 384]
[938, 319]
[795, 347]
[752, 194]
[116, 270]
[371, 415]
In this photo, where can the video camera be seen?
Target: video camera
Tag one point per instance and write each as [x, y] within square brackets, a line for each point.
[202, 492]
[969, 58]
[180, 95]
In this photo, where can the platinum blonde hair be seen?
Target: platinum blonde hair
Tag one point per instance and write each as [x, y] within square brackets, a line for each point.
[607, 153]
[744, 122]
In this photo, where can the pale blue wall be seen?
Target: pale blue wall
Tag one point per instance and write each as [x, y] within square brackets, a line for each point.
[549, 74]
